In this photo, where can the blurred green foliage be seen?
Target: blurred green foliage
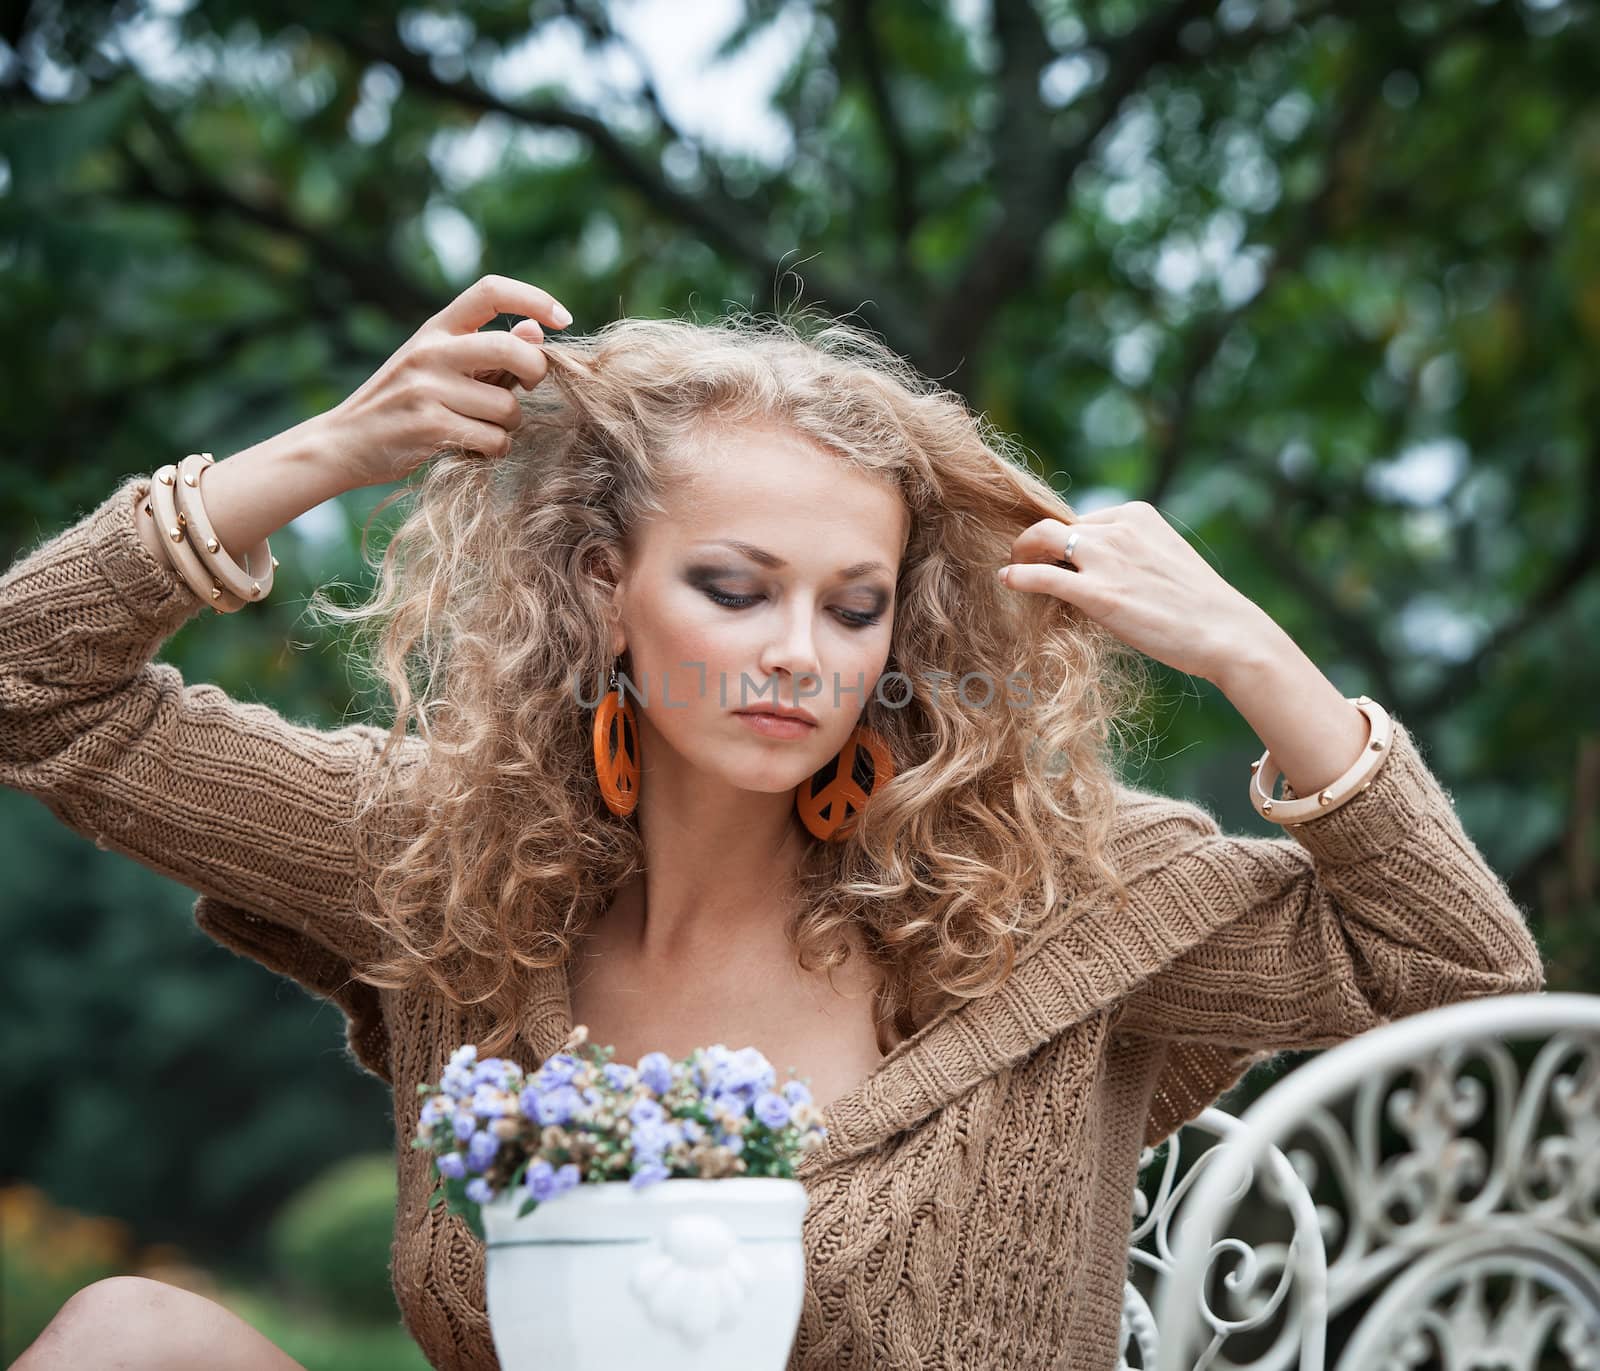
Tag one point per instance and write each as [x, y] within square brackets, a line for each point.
[320, 1342]
[166, 1080]
[48, 1253]
[1322, 282]
[331, 1241]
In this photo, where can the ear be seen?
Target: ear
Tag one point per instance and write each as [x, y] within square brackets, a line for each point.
[608, 576]
[619, 641]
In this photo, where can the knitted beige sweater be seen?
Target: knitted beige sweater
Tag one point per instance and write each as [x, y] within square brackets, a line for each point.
[972, 1204]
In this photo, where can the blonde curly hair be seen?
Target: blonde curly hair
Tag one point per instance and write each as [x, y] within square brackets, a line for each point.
[997, 818]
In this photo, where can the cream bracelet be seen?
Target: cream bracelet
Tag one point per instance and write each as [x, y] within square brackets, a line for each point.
[253, 581]
[170, 524]
[1293, 812]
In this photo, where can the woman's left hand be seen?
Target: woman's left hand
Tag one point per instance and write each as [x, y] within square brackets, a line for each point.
[1139, 577]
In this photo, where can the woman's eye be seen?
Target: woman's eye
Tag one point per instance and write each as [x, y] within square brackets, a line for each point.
[732, 601]
[853, 617]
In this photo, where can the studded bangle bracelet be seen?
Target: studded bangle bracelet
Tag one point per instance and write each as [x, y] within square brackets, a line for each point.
[253, 581]
[175, 541]
[1293, 812]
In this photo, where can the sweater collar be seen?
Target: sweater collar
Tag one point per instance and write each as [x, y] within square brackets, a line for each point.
[1062, 977]
[1067, 971]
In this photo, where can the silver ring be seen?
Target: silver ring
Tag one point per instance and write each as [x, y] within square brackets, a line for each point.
[1072, 542]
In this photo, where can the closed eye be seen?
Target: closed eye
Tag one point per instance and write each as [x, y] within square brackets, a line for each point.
[854, 618]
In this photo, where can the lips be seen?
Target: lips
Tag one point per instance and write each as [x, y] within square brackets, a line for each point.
[781, 712]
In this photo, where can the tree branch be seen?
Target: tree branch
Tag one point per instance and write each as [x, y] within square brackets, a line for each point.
[597, 25]
[718, 221]
[1571, 572]
[857, 27]
[1307, 230]
[1359, 103]
[1030, 183]
[379, 283]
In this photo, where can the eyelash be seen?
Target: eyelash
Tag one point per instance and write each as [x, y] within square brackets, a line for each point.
[853, 618]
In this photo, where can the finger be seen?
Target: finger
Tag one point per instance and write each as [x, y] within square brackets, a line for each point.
[497, 350]
[1042, 579]
[474, 435]
[529, 328]
[485, 400]
[1046, 541]
[492, 295]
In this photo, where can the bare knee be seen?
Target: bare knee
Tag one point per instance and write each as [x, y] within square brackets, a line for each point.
[132, 1323]
[122, 1321]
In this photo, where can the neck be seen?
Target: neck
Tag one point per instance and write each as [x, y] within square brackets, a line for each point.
[719, 874]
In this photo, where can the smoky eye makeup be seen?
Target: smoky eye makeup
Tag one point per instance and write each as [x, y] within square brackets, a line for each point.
[729, 585]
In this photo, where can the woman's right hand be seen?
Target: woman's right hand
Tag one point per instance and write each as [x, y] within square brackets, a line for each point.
[448, 383]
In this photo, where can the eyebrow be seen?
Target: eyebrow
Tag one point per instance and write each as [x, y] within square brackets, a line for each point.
[772, 560]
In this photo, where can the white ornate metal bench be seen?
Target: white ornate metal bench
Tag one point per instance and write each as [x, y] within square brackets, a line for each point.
[1440, 1204]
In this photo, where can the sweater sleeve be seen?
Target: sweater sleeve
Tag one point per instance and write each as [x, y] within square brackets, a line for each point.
[1380, 909]
[223, 796]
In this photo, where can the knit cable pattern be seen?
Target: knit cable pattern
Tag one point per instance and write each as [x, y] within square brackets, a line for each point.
[972, 1203]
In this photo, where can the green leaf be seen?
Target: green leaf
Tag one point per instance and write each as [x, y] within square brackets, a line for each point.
[44, 146]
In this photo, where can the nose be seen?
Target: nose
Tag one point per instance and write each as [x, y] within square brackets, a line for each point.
[794, 653]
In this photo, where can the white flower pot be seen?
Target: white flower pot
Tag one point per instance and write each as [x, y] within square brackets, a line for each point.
[681, 1274]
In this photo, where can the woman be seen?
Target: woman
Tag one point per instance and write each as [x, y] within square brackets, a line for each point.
[1002, 970]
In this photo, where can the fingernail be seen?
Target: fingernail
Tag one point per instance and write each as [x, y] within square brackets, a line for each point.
[561, 316]
[1002, 574]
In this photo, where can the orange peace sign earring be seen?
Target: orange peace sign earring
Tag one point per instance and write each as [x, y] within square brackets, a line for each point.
[616, 750]
[830, 800]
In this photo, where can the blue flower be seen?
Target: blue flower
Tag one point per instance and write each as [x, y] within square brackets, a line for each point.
[496, 1071]
[648, 1174]
[490, 1102]
[559, 1070]
[465, 1125]
[646, 1112]
[796, 1092]
[735, 1101]
[567, 1178]
[541, 1181]
[452, 1165]
[554, 1107]
[479, 1191]
[619, 1075]
[724, 1104]
[482, 1150]
[772, 1109]
[435, 1109]
[713, 1062]
[740, 1075]
[749, 1065]
[457, 1077]
[652, 1138]
[655, 1070]
[692, 1131]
